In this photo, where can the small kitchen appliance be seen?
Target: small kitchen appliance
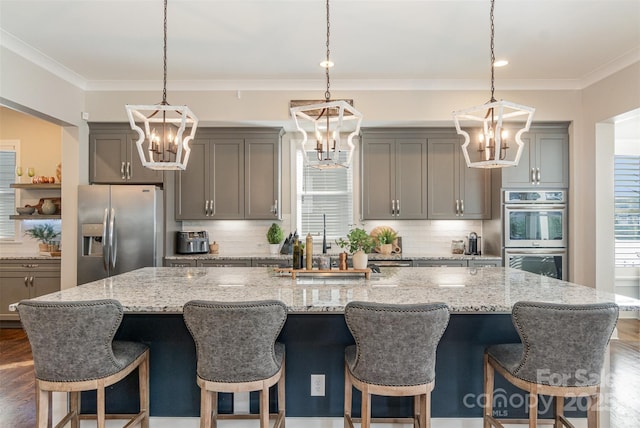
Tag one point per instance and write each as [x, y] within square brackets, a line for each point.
[192, 242]
[473, 244]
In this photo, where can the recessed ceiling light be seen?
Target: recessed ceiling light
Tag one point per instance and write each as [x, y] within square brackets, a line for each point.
[500, 63]
[326, 64]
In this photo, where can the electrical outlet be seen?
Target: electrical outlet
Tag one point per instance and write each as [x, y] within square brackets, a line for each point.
[317, 385]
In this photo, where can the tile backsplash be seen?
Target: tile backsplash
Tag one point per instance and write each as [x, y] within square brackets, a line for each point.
[419, 237]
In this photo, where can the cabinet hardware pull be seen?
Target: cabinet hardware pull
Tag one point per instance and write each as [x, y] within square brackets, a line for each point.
[538, 176]
[393, 207]
[206, 208]
[122, 171]
[31, 280]
[457, 207]
[461, 207]
[397, 207]
[128, 170]
[275, 208]
[26, 281]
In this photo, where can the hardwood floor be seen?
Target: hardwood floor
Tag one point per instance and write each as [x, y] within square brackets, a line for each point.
[17, 398]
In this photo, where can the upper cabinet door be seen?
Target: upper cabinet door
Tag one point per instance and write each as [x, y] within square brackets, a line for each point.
[262, 178]
[136, 173]
[227, 173]
[378, 178]
[443, 178]
[411, 179]
[108, 157]
[192, 185]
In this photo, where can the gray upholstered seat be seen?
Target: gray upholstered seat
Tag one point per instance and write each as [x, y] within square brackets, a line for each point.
[73, 350]
[237, 351]
[562, 352]
[394, 354]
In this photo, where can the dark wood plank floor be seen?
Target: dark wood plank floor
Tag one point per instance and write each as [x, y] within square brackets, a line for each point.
[17, 397]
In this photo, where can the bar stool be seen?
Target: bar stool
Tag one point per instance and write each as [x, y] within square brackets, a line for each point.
[561, 355]
[394, 355]
[73, 351]
[237, 352]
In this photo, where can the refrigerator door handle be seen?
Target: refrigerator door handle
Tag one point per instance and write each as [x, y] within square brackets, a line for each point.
[105, 246]
[113, 238]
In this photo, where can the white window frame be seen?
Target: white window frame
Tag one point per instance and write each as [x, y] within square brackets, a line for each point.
[625, 248]
[296, 157]
[13, 145]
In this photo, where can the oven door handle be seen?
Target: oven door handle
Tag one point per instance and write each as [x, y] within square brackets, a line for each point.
[535, 251]
[535, 207]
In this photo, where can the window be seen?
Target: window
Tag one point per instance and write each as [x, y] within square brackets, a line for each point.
[627, 210]
[323, 192]
[8, 161]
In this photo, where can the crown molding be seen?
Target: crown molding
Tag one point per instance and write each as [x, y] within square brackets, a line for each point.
[611, 67]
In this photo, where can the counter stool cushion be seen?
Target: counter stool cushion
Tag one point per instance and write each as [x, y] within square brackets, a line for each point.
[237, 351]
[73, 349]
[394, 354]
[562, 354]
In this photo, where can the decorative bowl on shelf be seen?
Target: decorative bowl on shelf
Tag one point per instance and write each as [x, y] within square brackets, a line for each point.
[25, 210]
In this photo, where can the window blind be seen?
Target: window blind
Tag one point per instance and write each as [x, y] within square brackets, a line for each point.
[7, 194]
[627, 209]
[328, 192]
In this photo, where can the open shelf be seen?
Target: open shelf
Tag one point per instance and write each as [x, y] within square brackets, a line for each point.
[35, 217]
[48, 186]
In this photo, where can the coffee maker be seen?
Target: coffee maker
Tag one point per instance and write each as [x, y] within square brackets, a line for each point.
[473, 244]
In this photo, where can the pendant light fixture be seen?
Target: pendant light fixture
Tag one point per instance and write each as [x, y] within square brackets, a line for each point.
[327, 120]
[164, 131]
[492, 149]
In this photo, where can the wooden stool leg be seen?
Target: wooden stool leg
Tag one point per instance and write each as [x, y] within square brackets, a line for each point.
[366, 408]
[282, 408]
[348, 397]
[214, 409]
[143, 382]
[100, 406]
[559, 411]
[206, 401]
[489, 379]
[416, 411]
[593, 411]
[264, 407]
[42, 407]
[425, 411]
[74, 408]
[533, 407]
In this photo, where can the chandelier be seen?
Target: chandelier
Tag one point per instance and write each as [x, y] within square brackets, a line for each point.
[164, 131]
[326, 120]
[492, 148]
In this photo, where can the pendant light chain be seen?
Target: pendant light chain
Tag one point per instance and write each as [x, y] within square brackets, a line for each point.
[493, 56]
[164, 86]
[327, 94]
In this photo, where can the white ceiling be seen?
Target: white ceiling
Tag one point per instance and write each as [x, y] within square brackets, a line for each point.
[378, 44]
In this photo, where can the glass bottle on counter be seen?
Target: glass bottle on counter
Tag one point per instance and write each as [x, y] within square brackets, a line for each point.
[309, 247]
[296, 253]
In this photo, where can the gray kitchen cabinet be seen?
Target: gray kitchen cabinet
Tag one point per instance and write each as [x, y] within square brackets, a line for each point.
[180, 263]
[281, 263]
[439, 263]
[544, 161]
[394, 175]
[114, 159]
[455, 191]
[26, 279]
[232, 174]
[485, 263]
[224, 263]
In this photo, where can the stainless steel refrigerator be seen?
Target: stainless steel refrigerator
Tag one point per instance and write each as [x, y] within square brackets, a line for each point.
[120, 228]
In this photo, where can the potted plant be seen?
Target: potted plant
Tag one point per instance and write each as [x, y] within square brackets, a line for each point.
[385, 239]
[358, 243]
[275, 235]
[46, 234]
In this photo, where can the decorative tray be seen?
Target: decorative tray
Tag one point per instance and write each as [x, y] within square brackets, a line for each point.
[324, 272]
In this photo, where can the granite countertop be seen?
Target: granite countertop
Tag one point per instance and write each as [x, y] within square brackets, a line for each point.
[465, 290]
[30, 257]
[372, 256]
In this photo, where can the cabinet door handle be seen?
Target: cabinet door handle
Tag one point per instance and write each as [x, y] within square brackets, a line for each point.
[538, 176]
[457, 207]
[397, 207]
[393, 207]
[206, 208]
[31, 280]
[461, 207]
[122, 170]
[275, 208]
[26, 281]
[128, 170]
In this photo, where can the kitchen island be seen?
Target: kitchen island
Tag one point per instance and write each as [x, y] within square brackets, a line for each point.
[315, 334]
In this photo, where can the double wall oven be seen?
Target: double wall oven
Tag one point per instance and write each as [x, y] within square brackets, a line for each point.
[535, 231]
